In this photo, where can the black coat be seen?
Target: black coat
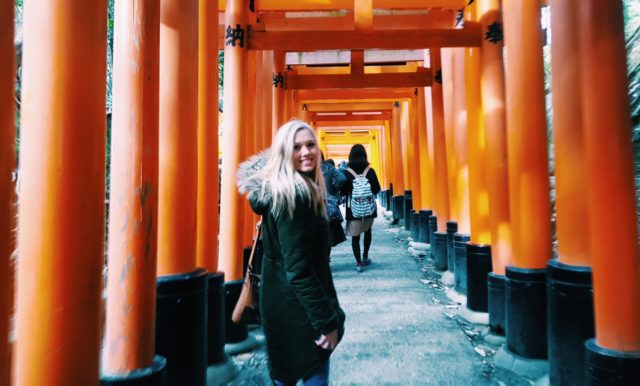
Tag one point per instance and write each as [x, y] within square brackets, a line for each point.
[347, 188]
[298, 299]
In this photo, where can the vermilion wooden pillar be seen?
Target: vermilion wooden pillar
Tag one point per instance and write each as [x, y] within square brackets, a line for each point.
[572, 224]
[569, 276]
[178, 137]
[208, 177]
[133, 210]
[461, 154]
[493, 102]
[425, 138]
[234, 124]
[62, 192]
[413, 145]
[278, 96]
[527, 138]
[611, 198]
[447, 79]
[528, 181]
[267, 98]
[405, 137]
[7, 166]
[397, 177]
[388, 155]
[248, 143]
[182, 286]
[476, 149]
[441, 204]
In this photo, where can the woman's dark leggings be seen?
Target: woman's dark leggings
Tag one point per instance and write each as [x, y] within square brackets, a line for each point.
[355, 245]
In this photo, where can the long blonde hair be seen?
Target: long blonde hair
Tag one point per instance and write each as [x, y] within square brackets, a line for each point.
[280, 177]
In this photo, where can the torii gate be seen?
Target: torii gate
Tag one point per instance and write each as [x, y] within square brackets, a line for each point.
[484, 132]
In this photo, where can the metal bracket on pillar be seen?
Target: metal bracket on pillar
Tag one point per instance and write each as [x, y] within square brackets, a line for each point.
[438, 76]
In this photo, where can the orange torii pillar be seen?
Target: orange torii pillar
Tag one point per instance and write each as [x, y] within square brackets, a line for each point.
[235, 122]
[387, 165]
[7, 166]
[266, 98]
[249, 145]
[208, 176]
[182, 286]
[453, 238]
[441, 178]
[407, 152]
[425, 138]
[493, 103]
[129, 343]
[62, 192]
[459, 176]
[569, 289]
[525, 285]
[414, 164]
[614, 355]
[278, 95]
[397, 178]
[427, 179]
[478, 259]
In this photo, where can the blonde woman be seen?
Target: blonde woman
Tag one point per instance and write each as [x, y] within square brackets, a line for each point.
[302, 319]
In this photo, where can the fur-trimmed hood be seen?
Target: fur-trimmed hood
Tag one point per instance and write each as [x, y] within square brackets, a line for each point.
[252, 183]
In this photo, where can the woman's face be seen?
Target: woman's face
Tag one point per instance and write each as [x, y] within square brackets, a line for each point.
[305, 151]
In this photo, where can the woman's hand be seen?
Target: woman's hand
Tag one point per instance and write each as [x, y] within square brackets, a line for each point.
[329, 341]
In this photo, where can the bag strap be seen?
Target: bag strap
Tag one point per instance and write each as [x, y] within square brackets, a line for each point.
[355, 175]
[255, 244]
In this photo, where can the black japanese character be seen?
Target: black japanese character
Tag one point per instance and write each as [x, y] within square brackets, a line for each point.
[233, 35]
[438, 77]
[278, 80]
[494, 33]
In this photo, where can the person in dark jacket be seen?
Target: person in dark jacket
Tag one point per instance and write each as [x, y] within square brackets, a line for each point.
[333, 181]
[301, 315]
[356, 226]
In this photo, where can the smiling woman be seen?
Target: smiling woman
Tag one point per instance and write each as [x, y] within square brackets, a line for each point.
[302, 319]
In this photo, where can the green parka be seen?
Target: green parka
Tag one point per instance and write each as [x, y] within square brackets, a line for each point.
[298, 300]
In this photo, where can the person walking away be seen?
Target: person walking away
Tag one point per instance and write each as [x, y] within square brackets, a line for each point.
[361, 187]
[302, 319]
[333, 180]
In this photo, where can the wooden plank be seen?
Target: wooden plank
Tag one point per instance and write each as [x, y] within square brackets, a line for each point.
[324, 5]
[309, 82]
[443, 18]
[344, 107]
[350, 117]
[301, 41]
[378, 94]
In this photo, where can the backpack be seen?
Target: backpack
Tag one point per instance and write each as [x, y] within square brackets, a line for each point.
[362, 203]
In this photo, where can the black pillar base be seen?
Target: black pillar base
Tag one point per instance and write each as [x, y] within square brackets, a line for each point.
[215, 318]
[496, 302]
[610, 367]
[181, 326]
[570, 321]
[452, 229]
[234, 333]
[415, 225]
[460, 261]
[439, 248]
[526, 312]
[408, 207]
[398, 207]
[433, 228]
[154, 375]
[478, 267]
[423, 226]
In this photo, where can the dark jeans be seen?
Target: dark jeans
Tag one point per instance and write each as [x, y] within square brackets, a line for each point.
[318, 377]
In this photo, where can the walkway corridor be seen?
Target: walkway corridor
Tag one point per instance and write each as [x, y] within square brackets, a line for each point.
[401, 327]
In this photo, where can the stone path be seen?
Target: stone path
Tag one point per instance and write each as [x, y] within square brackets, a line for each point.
[401, 329]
